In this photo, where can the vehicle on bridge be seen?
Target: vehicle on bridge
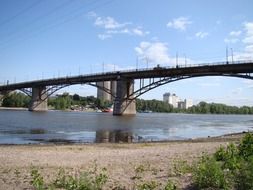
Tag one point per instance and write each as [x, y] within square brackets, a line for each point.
[158, 67]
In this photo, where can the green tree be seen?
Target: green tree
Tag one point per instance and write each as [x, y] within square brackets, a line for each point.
[16, 99]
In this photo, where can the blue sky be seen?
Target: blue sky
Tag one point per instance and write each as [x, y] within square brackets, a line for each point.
[51, 38]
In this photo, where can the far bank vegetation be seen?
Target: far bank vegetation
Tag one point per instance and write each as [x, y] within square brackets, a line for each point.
[67, 101]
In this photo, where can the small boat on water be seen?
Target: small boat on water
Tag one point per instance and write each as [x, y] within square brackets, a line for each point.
[147, 111]
[108, 109]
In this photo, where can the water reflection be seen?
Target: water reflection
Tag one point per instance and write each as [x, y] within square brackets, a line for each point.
[114, 136]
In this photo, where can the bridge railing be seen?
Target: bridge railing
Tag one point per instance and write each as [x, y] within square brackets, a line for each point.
[183, 66]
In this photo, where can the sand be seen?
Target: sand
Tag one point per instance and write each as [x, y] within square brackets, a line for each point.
[120, 160]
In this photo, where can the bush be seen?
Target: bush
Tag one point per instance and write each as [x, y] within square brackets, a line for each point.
[246, 146]
[170, 186]
[37, 180]
[208, 174]
[220, 154]
[181, 167]
[147, 186]
[244, 176]
[229, 157]
[85, 181]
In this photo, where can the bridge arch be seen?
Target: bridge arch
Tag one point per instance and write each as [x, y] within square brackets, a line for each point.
[162, 81]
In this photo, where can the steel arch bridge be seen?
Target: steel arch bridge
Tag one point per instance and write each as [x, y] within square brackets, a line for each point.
[125, 94]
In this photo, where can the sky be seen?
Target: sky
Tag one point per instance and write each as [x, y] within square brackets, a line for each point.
[42, 39]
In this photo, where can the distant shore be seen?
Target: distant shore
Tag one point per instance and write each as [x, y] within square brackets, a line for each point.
[13, 108]
[121, 160]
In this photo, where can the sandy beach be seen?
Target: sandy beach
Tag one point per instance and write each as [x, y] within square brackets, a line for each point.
[120, 160]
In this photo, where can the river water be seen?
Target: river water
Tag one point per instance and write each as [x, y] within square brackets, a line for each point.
[24, 127]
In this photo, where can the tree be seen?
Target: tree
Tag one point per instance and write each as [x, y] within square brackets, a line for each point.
[16, 100]
[76, 97]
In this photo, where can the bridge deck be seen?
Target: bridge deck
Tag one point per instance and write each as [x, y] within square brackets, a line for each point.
[222, 69]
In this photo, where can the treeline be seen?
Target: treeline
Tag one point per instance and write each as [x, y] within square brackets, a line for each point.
[59, 102]
[67, 101]
[214, 108]
[16, 99]
[153, 105]
[201, 108]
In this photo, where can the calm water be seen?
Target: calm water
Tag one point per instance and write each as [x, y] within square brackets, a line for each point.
[23, 127]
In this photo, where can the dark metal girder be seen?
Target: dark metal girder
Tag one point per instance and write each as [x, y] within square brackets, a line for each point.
[143, 89]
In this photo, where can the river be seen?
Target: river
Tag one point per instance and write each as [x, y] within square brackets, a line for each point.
[24, 127]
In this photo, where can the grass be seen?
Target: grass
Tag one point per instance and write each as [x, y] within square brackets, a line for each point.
[86, 180]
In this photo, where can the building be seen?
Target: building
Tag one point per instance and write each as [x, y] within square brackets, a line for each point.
[188, 103]
[175, 101]
[171, 99]
[181, 104]
[185, 104]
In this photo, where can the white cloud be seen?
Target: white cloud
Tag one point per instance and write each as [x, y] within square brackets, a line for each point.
[122, 31]
[201, 34]
[248, 40]
[158, 53]
[233, 37]
[248, 26]
[92, 14]
[111, 27]
[109, 23]
[104, 36]
[235, 33]
[179, 23]
[249, 48]
[134, 31]
[231, 40]
[247, 54]
[139, 32]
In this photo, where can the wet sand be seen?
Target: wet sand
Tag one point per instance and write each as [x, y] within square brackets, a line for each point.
[157, 159]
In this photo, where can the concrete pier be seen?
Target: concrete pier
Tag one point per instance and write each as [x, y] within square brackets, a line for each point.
[101, 94]
[39, 99]
[1, 99]
[124, 103]
[111, 86]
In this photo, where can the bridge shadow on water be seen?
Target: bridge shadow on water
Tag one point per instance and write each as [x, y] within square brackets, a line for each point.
[42, 136]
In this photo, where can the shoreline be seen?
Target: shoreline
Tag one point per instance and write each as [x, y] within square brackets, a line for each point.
[13, 108]
[220, 138]
[94, 111]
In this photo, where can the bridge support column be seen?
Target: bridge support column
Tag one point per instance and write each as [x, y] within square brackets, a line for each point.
[39, 99]
[1, 99]
[124, 104]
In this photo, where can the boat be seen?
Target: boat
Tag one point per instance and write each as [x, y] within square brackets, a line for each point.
[108, 109]
[147, 111]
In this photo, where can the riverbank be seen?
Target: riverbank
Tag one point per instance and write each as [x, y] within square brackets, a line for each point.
[126, 164]
[13, 108]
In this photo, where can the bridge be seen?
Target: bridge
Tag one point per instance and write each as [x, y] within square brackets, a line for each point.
[121, 87]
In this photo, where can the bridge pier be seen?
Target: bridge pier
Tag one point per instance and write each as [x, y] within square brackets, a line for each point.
[124, 103]
[103, 95]
[39, 99]
[1, 99]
